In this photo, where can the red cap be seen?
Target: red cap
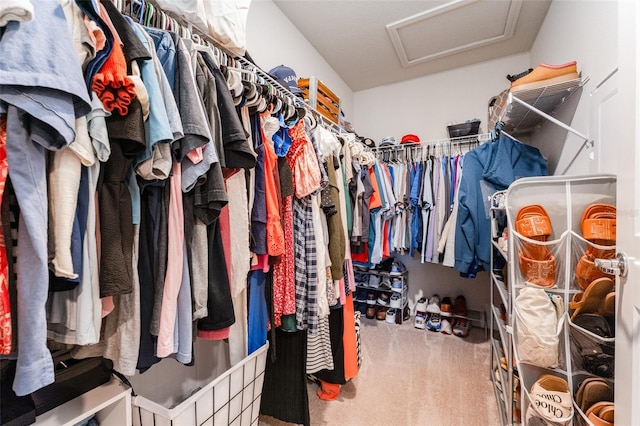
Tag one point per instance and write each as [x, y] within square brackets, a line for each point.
[410, 139]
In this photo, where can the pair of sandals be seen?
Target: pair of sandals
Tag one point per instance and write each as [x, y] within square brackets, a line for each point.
[598, 226]
[551, 402]
[598, 298]
[537, 263]
[595, 399]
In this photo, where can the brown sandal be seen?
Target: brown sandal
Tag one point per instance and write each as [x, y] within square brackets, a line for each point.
[598, 225]
[601, 413]
[591, 391]
[593, 299]
[537, 263]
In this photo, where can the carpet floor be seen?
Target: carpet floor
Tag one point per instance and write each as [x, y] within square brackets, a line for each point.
[412, 377]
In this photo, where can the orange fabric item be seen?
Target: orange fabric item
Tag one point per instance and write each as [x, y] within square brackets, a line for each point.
[375, 201]
[275, 233]
[303, 162]
[361, 257]
[349, 340]
[328, 391]
[385, 240]
[112, 85]
[5, 306]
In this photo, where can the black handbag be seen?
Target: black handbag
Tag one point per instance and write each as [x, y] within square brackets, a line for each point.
[73, 378]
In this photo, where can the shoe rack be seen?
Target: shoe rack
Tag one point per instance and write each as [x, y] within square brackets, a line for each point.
[564, 199]
[374, 283]
[503, 372]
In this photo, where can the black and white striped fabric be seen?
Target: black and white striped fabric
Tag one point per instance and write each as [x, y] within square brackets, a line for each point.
[319, 355]
[358, 314]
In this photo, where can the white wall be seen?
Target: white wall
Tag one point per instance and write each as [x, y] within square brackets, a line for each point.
[425, 105]
[584, 31]
[273, 40]
[427, 279]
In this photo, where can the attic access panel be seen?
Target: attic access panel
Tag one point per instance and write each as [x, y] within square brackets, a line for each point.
[418, 38]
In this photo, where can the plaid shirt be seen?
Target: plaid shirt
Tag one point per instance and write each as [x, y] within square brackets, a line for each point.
[306, 274]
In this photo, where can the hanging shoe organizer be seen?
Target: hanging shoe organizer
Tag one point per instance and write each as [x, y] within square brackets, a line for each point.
[576, 352]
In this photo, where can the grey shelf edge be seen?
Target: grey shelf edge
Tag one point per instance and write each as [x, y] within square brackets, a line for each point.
[502, 409]
[505, 340]
[503, 292]
[503, 253]
[503, 375]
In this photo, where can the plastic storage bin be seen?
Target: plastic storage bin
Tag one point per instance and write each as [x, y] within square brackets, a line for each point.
[464, 129]
[233, 398]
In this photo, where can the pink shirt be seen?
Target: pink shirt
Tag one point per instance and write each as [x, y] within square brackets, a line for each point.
[175, 263]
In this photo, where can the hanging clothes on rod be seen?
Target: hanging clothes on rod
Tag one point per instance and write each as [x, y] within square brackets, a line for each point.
[415, 192]
[164, 251]
[489, 168]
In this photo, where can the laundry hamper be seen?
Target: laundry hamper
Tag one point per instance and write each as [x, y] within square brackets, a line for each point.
[233, 398]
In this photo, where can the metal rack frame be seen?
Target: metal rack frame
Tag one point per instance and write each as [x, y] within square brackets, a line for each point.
[541, 101]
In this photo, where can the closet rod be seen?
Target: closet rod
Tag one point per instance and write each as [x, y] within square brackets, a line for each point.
[125, 8]
[480, 138]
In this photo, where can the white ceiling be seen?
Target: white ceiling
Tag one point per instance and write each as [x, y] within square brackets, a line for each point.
[371, 43]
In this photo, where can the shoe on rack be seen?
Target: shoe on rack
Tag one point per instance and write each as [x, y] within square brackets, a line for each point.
[371, 298]
[385, 265]
[383, 299]
[537, 263]
[360, 267]
[460, 307]
[406, 314]
[391, 316]
[382, 313]
[598, 225]
[360, 307]
[446, 307]
[498, 381]
[421, 305]
[434, 323]
[360, 295]
[461, 327]
[385, 284]
[550, 400]
[503, 313]
[374, 281]
[434, 304]
[544, 75]
[397, 268]
[395, 301]
[371, 311]
[591, 391]
[601, 413]
[445, 325]
[396, 285]
[420, 320]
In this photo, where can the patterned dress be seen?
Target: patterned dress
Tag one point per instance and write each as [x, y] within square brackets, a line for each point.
[5, 308]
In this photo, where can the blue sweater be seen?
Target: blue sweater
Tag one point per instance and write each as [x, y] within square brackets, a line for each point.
[489, 168]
